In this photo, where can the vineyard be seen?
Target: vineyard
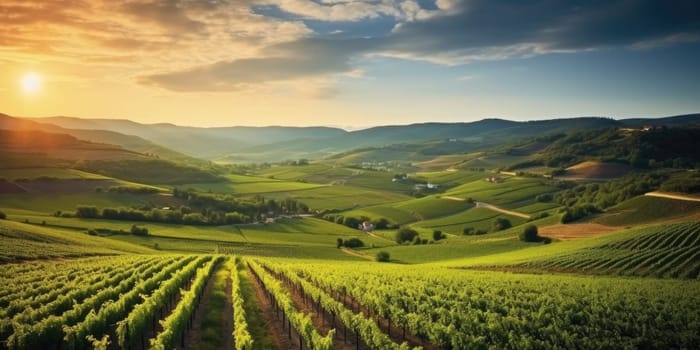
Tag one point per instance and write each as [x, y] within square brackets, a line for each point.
[671, 251]
[149, 302]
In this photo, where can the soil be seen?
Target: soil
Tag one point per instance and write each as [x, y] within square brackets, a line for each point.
[323, 324]
[227, 316]
[194, 335]
[278, 334]
[576, 231]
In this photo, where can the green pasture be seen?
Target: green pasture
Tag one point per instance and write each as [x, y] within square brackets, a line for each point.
[645, 209]
[440, 251]
[449, 176]
[492, 161]
[477, 218]
[67, 202]
[56, 173]
[250, 188]
[513, 192]
[394, 215]
[339, 197]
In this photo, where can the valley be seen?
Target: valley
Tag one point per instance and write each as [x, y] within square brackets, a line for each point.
[387, 238]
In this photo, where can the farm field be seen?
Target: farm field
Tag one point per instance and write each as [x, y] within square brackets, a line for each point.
[271, 256]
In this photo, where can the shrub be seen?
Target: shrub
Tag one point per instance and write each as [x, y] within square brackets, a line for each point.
[139, 231]
[354, 243]
[405, 235]
[438, 235]
[546, 197]
[3, 216]
[470, 231]
[381, 224]
[529, 234]
[339, 243]
[383, 256]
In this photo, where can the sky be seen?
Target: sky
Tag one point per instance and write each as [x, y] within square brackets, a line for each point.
[348, 63]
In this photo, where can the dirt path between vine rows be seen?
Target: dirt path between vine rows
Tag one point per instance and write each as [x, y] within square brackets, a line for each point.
[227, 330]
[322, 324]
[278, 334]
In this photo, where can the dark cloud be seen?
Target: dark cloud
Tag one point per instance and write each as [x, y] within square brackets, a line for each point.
[475, 30]
[548, 25]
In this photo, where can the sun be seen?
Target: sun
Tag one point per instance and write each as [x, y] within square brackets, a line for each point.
[31, 83]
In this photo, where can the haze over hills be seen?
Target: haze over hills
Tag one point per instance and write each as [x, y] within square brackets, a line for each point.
[277, 143]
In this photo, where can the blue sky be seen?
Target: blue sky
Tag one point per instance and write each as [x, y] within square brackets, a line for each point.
[350, 63]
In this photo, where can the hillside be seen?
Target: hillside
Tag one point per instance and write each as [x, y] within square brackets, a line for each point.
[128, 142]
[641, 147]
[275, 143]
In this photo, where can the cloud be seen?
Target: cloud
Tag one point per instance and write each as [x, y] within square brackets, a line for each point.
[282, 63]
[484, 29]
[220, 45]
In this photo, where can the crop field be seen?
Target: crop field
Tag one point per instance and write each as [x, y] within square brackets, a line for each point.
[339, 197]
[648, 209]
[57, 173]
[666, 251]
[252, 188]
[448, 177]
[511, 193]
[476, 218]
[480, 309]
[25, 242]
[292, 282]
[37, 202]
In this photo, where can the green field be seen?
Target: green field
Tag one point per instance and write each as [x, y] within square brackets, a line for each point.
[644, 209]
[56, 173]
[491, 290]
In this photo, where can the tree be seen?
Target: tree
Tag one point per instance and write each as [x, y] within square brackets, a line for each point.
[381, 224]
[529, 234]
[405, 235]
[339, 243]
[383, 256]
[500, 224]
[438, 235]
[2, 216]
[87, 212]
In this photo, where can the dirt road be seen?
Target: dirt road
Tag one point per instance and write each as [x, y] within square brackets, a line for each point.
[673, 196]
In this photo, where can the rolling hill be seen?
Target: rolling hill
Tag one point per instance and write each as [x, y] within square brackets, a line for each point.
[276, 143]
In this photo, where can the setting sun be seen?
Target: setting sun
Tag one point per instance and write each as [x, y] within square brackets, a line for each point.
[31, 83]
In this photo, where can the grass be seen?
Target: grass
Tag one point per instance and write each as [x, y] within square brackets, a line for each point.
[645, 209]
[23, 241]
[67, 202]
[256, 324]
[56, 173]
[339, 197]
[477, 218]
[458, 249]
[212, 322]
[513, 192]
[250, 188]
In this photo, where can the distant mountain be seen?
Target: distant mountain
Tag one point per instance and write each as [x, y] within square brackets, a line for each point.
[277, 143]
[199, 142]
[128, 142]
